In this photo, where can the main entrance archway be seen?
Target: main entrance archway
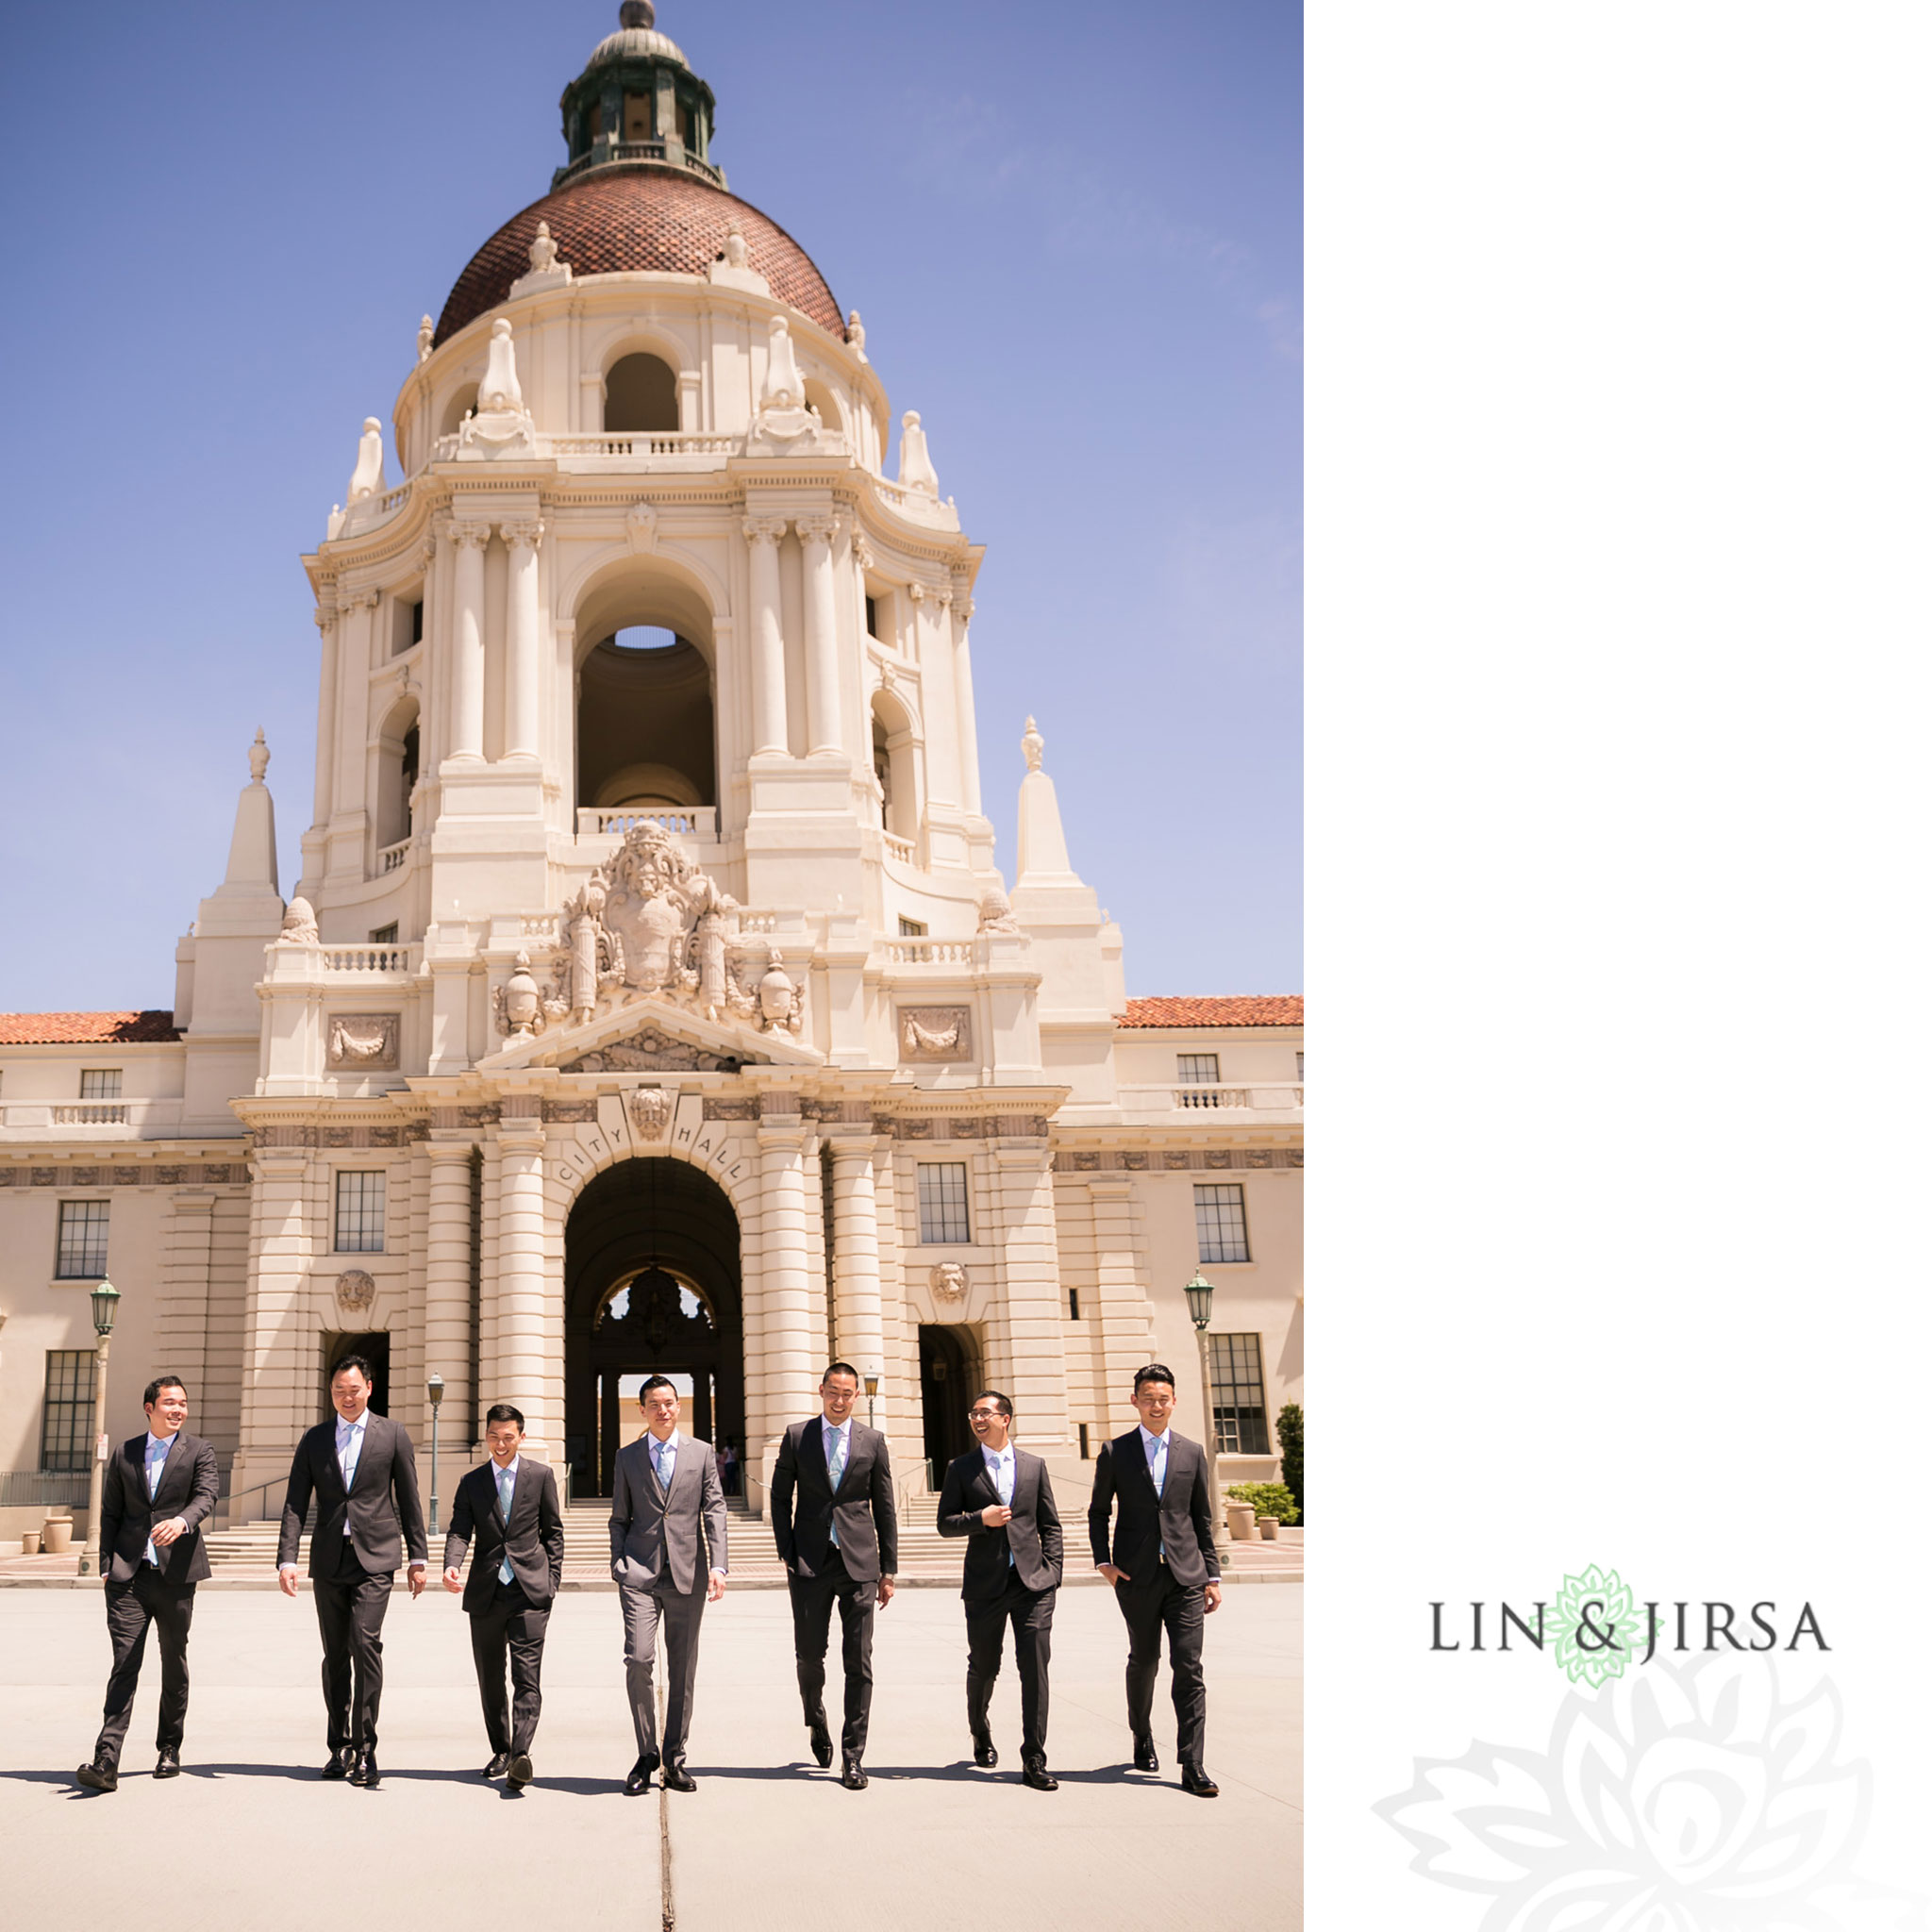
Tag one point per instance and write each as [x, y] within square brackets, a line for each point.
[652, 1286]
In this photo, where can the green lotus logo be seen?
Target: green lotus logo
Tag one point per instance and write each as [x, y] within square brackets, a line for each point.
[1597, 1628]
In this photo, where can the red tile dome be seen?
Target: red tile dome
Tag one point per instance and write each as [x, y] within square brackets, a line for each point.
[615, 220]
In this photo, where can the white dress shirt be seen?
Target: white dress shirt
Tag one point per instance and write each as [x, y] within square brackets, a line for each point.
[153, 1456]
[505, 1475]
[999, 1464]
[838, 1447]
[1156, 1450]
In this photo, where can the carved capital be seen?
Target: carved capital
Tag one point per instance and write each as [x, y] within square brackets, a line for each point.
[325, 618]
[817, 529]
[862, 550]
[763, 529]
[467, 535]
[524, 535]
[348, 601]
[916, 592]
[963, 609]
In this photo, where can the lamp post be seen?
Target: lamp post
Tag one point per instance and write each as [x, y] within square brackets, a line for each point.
[1200, 1294]
[105, 1298]
[872, 1390]
[435, 1417]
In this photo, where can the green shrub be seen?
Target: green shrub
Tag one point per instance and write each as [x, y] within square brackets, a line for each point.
[1288, 1432]
[1270, 1499]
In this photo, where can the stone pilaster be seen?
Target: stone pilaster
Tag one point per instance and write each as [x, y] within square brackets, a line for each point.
[522, 1297]
[279, 1365]
[523, 663]
[466, 665]
[769, 727]
[815, 534]
[855, 1305]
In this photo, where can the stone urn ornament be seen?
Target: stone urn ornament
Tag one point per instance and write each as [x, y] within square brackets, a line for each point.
[519, 1002]
[778, 1008]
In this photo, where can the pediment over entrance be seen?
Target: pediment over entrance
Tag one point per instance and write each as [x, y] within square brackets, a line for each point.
[650, 1036]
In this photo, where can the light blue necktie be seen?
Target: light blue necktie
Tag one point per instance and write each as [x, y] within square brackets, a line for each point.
[506, 1493]
[157, 1456]
[835, 1468]
[665, 1460]
[1158, 1469]
[1003, 1482]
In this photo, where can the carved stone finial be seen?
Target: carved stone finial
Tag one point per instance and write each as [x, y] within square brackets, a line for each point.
[520, 1002]
[736, 253]
[855, 334]
[500, 389]
[298, 924]
[637, 13]
[425, 339]
[784, 387]
[257, 757]
[543, 251]
[367, 480]
[1032, 744]
[915, 462]
[996, 911]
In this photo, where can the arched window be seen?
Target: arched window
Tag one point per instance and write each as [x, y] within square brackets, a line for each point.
[892, 765]
[461, 405]
[644, 723]
[399, 758]
[817, 397]
[641, 393]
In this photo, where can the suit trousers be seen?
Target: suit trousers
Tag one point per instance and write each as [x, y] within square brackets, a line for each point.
[350, 1607]
[812, 1598]
[509, 1629]
[680, 1613]
[1161, 1603]
[131, 1607]
[1030, 1613]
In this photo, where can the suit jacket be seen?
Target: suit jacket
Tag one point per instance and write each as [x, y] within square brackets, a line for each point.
[804, 1507]
[188, 1488]
[382, 1511]
[1180, 1515]
[1033, 1536]
[532, 1539]
[680, 1535]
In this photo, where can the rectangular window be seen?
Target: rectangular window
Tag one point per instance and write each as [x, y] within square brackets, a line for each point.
[637, 117]
[384, 935]
[1073, 1304]
[1299, 1074]
[1084, 1457]
[1221, 1220]
[872, 617]
[67, 1418]
[100, 1083]
[911, 928]
[82, 1255]
[360, 1199]
[1241, 1424]
[943, 1201]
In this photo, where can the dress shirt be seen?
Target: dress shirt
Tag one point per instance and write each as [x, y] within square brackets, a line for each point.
[836, 1447]
[153, 1458]
[506, 1495]
[999, 1463]
[349, 1452]
[664, 1457]
[1155, 1448]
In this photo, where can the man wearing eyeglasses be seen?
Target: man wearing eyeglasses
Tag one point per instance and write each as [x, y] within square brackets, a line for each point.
[1162, 1566]
[999, 1498]
[667, 1560]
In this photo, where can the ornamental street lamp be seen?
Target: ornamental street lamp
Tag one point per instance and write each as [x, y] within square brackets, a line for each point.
[1200, 1294]
[105, 1298]
[872, 1390]
[435, 1417]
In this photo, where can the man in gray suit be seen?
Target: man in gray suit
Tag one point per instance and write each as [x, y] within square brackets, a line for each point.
[667, 1528]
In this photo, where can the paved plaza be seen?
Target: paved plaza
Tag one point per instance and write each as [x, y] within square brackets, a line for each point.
[250, 1836]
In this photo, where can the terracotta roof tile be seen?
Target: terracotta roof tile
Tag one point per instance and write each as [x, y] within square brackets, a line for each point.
[609, 222]
[87, 1029]
[1263, 1010]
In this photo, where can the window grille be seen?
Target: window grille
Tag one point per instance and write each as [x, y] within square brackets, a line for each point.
[1221, 1221]
[385, 935]
[100, 1083]
[1240, 1420]
[943, 1202]
[1198, 1069]
[67, 1416]
[83, 1251]
[360, 1199]
[911, 928]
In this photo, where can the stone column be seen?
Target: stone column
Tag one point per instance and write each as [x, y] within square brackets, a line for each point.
[326, 622]
[856, 1300]
[277, 1347]
[1125, 1312]
[521, 1287]
[768, 728]
[523, 685]
[1023, 1171]
[447, 1284]
[785, 1285]
[466, 668]
[821, 636]
[962, 698]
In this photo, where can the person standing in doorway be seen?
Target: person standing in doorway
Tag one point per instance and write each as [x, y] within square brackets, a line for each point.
[361, 1469]
[837, 1532]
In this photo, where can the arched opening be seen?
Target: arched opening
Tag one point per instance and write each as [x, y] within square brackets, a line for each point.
[398, 760]
[892, 765]
[949, 1377]
[817, 397]
[652, 1286]
[647, 713]
[639, 393]
[461, 405]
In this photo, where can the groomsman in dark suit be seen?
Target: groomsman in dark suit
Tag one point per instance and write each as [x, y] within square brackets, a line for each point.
[157, 1492]
[668, 1558]
[509, 1507]
[1162, 1566]
[999, 1498]
[360, 1469]
[837, 1532]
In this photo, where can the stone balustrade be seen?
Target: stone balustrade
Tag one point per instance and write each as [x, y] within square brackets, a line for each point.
[905, 850]
[369, 957]
[391, 857]
[935, 951]
[698, 821]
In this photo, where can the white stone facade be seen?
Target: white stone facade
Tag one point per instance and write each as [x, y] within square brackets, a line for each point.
[570, 910]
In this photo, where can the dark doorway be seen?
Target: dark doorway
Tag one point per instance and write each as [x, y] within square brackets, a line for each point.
[948, 1378]
[373, 1349]
[652, 1286]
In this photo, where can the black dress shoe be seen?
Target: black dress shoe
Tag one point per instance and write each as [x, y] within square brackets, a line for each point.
[852, 1777]
[641, 1775]
[168, 1764]
[984, 1755]
[678, 1779]
[98, 1776]
[1037, 1778]
[1198, 1784]
[365, 1773]
[822, 1743]
[521, 1769]
[339, 1765]
[498, 1764]
[1144, 1758]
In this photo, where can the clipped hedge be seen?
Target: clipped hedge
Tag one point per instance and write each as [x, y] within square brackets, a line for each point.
[1270, 1499]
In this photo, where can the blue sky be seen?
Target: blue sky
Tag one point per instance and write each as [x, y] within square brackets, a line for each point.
[1074, 233]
